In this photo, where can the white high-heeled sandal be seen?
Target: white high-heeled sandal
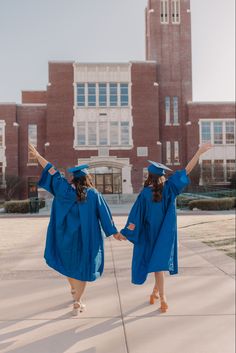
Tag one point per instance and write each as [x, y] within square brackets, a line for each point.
[78, 307]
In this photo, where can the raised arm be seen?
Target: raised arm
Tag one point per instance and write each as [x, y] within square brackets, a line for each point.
[202, 149]
[42, 161]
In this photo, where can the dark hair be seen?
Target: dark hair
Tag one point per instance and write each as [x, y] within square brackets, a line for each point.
[81, 184]
[157, 183]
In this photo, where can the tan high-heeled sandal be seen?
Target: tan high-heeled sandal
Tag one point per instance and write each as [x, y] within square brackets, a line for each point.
[154, 296]
[164, 305]
[78, 307]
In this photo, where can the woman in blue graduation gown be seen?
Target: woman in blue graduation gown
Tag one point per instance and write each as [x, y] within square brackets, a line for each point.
[152, 226]
[74, 244]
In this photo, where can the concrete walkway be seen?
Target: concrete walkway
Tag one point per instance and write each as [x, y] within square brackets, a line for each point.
[35, 303]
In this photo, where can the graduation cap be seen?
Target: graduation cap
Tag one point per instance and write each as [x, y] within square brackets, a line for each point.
[79, 170]
[157, 168]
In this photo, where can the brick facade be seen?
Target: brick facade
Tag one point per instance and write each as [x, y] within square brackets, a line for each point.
[166, 72]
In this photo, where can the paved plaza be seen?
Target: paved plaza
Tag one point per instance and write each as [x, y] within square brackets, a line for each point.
[35, 303]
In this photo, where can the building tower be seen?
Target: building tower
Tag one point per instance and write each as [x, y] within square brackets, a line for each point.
[168, 42]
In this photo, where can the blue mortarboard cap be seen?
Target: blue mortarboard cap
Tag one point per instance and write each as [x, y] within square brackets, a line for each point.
[157, 168]
[79, 170]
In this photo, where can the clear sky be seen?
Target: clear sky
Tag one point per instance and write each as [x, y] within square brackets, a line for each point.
[33, 32]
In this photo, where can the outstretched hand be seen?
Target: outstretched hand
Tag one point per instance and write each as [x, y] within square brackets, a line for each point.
[33, 150]
[119, 236]
[205, 147]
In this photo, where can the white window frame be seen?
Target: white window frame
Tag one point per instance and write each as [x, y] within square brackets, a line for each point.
[32, 161]
[211, 121]
[175, 111]
[168, 153]
[167, 111]
[176, 153]
[164, 10]
[175, 11]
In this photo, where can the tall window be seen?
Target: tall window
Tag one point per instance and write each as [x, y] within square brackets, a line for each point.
[168, 152]
[114, 133]
[230, 168]
[176, 110]
[80, 94]
[229, 132]
[167, 107]
[164, 11]
[103, 133]
[32, 139]
[1, 173]
[81, 133]
[218, 170]
[102, 94]
[92, 94]
[205, 131]
[92, 133]
[1, 136]
[218, 132]
[175, 11]
[113, 94]
[176, 152]
[206, 171]
[124, 132]
[124, 94]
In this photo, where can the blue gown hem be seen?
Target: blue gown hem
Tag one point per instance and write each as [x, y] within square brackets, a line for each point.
[65, 273]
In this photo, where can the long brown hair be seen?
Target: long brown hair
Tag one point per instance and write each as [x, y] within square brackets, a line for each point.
[157, 183]
[81, 184]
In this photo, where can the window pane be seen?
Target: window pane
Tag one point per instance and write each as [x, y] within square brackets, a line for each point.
[230, 132]
[206, 171]
[103, 133]
[164, 11]
[113, 94]
[175, 9]
[102, 94]
[218, 133]
[206, 131]
[81, 133]
[167, 106]
[218, 170]
[124, 133]
[91, 94]
[176, 109]
[168, 152]
[32, 138]
[114, 135]
[124, 94]
[81, 94]
[1, 136]
[230, 168]
[176, 152]
[92, 133]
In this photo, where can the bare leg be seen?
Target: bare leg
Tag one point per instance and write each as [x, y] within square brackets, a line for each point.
[79, 287]
[70, 280]
[160, 283]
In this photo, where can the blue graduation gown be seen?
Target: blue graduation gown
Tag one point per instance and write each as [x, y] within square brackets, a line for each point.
[74, 244]
[152, 228]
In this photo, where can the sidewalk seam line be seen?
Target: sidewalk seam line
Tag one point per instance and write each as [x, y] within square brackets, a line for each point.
[121, 311]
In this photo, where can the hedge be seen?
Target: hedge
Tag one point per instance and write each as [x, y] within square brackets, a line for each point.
[20, 206]
[226, 203]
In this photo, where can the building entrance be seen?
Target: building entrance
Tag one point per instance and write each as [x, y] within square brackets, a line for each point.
[107, 180]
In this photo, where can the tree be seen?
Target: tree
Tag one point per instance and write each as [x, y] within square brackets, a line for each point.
[13, 186]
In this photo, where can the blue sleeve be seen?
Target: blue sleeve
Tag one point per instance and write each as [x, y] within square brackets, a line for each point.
[178, 181]
[133, 228]
[105, 216]
[52, 181]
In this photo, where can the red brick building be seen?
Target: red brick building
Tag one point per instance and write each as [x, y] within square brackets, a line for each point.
[117, 116]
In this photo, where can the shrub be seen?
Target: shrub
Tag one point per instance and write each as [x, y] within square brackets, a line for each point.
[20, 206]
[183, 200]
[226, 203]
